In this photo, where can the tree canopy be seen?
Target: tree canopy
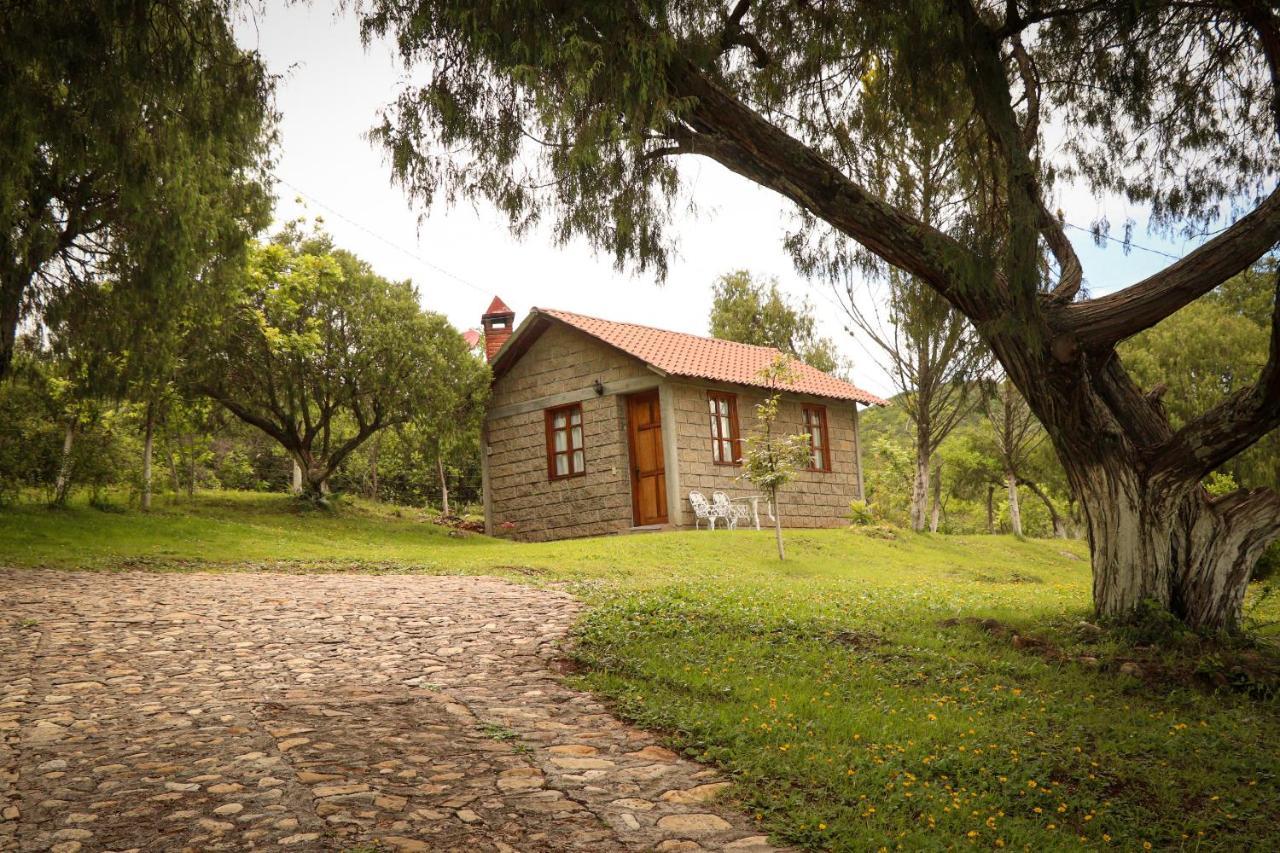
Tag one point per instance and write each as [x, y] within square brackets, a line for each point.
[320, 353]
[757, 312]
[134, 150]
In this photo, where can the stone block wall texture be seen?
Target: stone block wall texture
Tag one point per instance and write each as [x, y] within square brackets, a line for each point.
[599, 501]
[811, 499]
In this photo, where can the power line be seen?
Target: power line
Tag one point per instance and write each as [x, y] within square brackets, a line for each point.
[1129, 243]
[486, 291]
[466, 283]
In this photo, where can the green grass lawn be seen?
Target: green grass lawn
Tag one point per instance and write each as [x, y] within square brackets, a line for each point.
[852, 691]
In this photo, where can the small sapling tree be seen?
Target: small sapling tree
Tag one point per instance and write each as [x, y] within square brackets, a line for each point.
[770, 460]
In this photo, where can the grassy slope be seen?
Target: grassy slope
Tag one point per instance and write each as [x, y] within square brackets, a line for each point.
[850, 715]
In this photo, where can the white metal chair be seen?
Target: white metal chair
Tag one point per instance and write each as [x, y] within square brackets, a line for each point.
[730, 511]
[703, 511]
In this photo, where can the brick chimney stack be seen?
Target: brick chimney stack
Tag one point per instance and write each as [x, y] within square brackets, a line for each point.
[498, 322]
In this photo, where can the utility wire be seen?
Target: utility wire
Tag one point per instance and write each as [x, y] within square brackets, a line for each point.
[376, 235]
[485, 291]
[1106, 238]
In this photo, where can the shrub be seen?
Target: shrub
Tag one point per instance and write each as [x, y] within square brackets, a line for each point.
[1268, 565]
[861, 513]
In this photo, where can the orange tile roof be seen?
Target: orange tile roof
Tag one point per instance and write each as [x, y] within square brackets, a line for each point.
[683, 354]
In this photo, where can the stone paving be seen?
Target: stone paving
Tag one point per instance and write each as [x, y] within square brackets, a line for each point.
[201, 712]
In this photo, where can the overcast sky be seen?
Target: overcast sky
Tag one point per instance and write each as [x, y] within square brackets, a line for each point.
[329, 95]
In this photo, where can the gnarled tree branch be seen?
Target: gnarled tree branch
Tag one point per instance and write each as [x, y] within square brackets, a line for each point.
[740, 139]
[1229, 428]
[1103, 322]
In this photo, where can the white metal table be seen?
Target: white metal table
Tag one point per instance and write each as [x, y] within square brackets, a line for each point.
[754, 501]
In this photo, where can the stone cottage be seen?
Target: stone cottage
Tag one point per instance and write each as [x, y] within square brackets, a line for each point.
[596, 426]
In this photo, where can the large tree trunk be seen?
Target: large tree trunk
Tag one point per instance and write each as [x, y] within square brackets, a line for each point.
[295, 485]
[1015, 511]
[62, 486]
[1173, 546]
[920, 488]
[148, 445]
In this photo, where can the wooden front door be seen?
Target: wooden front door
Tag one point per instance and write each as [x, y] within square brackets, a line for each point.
[648, 475]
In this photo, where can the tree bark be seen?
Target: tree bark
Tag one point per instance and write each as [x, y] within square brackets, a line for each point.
[935, 511]
[991, 509]
[374, 452]
[444, 485]
[173, 469]
[1177, 548]
[920, 486]
[191, 467]
[1059, 526]
[1015, 511]
[62, 486]
[148, 443]
[777, 527]
[296, 483]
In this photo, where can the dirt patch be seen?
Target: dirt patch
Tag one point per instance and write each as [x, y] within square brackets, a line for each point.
[1206, 665]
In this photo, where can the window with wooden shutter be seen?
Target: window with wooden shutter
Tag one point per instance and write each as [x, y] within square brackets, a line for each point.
[565, 454]
[815, 423]
[725, 442]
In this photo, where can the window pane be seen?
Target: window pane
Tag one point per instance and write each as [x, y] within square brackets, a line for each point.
[560, 436]
[558, 420]
[817, 459]
[577, 436]
[715, 451]
[575, 417]
[816, 432]
[715, 427]
[562, 464]
[579, 462]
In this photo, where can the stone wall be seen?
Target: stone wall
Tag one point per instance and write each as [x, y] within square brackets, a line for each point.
[811, 499]
[561, 361]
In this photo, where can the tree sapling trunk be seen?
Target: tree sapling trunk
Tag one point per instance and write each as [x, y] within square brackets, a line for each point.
[444, 485]
[148, 439]
[1015, 511]
[777, 527]
[935, 510]
[62, 486]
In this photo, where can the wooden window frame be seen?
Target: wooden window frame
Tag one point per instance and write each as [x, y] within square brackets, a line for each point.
[734, 441]
[570, 448]
[817, 413]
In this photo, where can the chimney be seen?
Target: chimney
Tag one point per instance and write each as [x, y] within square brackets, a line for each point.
[498, 323]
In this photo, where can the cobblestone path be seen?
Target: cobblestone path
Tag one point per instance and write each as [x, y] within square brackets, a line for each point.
[208, 712]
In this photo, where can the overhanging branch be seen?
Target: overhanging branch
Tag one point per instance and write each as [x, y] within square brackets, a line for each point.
[1103, 322]
[740, 139]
